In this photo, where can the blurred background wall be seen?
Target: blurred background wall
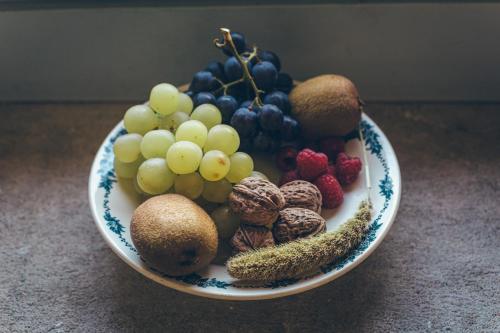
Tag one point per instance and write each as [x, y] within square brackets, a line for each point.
[393, 51]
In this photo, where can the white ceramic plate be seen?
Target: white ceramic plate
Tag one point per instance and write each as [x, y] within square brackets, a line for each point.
[113, 202]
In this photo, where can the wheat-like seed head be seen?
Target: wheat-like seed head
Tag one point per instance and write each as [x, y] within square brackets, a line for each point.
[295, 258]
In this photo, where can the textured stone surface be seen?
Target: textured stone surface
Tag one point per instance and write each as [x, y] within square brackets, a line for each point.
[437, 270]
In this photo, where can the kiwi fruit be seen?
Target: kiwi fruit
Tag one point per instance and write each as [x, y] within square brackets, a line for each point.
[326, 105]
[173, 234]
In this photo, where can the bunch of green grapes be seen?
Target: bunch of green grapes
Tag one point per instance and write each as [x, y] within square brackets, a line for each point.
[171, 147]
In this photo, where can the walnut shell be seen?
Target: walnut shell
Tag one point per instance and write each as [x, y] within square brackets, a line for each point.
[296, 223]
[302, 194]
[249, 237]
[256, 201]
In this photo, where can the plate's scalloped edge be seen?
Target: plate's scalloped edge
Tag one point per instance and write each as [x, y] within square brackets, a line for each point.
[373, 146]
[107, 180]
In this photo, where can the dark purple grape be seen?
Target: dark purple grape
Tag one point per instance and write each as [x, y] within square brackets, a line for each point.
[244, 122]
[257, 109]
[265, 75]
[203, 81]
[251, 94]
[249, 104]
[275, 145]
[274, 134]
[239, 43]
[239, 91]
[250, 66]
[246, 104]
[290, 129]
[246, 145]
[217, 70]
[280, 99]
[203, 98]
[270, 117]
[189, 93]
[215, 85]
[227, 106]
[233, 69]
[253, 61]
[217, 93]
[284, 83]
[271, 57]
[262, 142]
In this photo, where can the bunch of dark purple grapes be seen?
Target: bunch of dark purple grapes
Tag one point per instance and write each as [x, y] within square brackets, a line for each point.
[250, 92]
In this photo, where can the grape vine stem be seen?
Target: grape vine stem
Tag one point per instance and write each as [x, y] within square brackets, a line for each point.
[227, 39]
[226, 86]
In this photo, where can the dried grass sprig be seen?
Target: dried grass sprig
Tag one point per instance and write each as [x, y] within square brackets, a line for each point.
[298, 257]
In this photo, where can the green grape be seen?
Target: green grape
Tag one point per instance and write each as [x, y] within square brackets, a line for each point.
[223, 138]
[258, 174]
[173, 121]
[184, 157]
[226, 222]
[164, 99]
[156, 143]
[217, 191]
[214, 165]
[154, 176]
[193, 131]
[127, 170]
[127, 148]
[137, 188]
[241, 167]
[208, 114]
[190, 185]
[140, 119]
[185, 104]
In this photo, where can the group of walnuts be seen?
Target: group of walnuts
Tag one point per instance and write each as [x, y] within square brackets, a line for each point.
[292, 210]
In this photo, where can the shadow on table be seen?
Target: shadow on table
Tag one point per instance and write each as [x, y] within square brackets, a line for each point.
[347, 304]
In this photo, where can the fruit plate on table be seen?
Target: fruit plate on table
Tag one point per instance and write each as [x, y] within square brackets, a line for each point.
[113, 203]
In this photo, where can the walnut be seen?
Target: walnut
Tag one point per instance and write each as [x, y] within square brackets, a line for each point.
[256, 201]
[249, 237]
[296, 223]
[300, 193]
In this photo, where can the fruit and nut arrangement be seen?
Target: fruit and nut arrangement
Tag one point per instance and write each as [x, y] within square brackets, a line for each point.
[190, 154]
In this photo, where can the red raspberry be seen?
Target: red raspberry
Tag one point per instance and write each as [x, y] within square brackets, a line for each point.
[311, 164]
[331, 191]
[347, 169]
[288, 177]
[332, 146]
[286, 158]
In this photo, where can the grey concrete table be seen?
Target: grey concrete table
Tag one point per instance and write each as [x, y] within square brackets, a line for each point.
[437, 270]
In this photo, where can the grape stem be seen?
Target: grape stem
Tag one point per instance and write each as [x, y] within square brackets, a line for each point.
[226, 86]
[228, 40]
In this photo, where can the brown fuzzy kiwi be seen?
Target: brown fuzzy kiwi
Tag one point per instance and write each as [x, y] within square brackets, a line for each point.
[326, 105]
[173, 234]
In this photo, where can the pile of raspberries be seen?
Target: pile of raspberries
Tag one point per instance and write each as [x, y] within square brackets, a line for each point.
[330, 169]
